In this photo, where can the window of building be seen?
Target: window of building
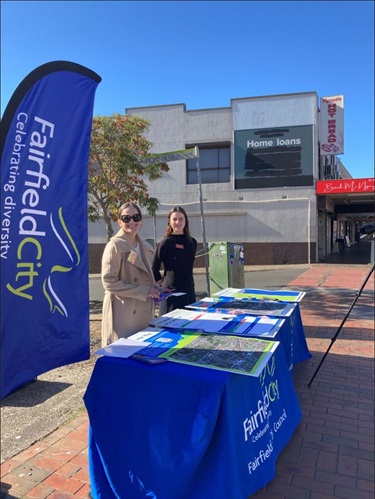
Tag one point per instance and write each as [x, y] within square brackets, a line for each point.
[214, 164]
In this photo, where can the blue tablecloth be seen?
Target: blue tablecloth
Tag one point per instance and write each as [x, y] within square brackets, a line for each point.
[173, 431]
[293, 339]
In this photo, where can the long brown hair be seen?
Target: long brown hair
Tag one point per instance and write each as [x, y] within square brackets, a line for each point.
[168, 230]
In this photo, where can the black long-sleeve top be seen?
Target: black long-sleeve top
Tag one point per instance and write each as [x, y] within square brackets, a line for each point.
[177, 254]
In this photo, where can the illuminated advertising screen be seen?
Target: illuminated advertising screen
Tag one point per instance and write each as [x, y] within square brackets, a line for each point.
[273, 157]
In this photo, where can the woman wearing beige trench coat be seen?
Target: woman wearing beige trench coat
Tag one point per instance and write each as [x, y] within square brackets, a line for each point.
[127, 278]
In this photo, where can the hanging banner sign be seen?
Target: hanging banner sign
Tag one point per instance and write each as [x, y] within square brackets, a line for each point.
[331, 125]
[164, 157]
[45, 134]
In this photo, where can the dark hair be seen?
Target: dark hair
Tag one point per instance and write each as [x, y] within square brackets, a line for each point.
[168, 230]
[127, 205]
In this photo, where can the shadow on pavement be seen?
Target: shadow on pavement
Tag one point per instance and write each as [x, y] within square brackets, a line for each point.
[4, 491]
[34, 393]
[356, 254]
[327, 299]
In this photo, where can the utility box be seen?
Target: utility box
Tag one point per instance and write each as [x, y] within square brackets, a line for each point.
[227, 266]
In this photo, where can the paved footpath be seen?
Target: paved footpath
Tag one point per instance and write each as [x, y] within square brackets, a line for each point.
[331, 453]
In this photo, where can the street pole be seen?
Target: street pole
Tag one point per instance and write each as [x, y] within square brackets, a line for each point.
[154, 223]
[202, 221]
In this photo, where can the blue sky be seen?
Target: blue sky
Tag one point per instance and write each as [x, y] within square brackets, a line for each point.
[204, 54]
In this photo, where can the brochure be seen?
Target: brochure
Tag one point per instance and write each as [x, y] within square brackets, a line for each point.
[244, 306]
[159, 341]
[281, 295]
[123, 347]
[220, 323]
[248, 356]
[166, 294]
[235, 354]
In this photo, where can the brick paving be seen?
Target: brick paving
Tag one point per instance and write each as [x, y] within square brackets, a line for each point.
[331, 454]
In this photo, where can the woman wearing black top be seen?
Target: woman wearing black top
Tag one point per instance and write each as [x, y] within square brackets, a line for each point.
[176, 253]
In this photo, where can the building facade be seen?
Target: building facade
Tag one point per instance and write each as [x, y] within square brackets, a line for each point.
[254, 181]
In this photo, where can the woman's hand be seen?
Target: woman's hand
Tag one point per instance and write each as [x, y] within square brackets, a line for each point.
[153, 293]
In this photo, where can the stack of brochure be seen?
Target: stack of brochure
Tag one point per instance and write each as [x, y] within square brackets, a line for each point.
[220, 323]
[237, 306]
[236, 354]
[281, 295]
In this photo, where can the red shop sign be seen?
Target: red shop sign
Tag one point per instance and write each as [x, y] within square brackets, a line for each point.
[343, 186]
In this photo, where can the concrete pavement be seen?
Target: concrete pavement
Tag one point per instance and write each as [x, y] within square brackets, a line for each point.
[332, 452]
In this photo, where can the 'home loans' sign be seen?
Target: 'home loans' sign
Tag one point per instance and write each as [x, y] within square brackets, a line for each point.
[273, 157]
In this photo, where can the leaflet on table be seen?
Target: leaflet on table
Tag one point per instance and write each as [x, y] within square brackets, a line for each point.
[235, 354]
[250, 306]
[123, 347]
[219, 323]
[262, 294]
[158, 341]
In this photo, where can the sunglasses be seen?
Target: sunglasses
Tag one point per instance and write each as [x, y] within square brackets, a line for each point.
[127, 218]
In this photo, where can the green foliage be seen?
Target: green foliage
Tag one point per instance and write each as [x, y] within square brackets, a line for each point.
[115, 172]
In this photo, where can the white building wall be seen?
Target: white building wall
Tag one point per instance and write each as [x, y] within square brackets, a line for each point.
[275, 111]
[245, 215]
[266, 215]
[172, 127]
[253, 222]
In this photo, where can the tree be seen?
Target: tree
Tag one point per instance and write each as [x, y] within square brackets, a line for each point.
[115, 171]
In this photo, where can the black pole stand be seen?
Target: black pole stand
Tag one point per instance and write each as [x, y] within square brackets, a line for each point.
[342, 323]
